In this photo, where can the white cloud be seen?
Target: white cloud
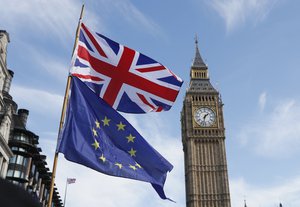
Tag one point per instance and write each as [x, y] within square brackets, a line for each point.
[51, 64]
[38, 100]
[44, 17]
[238, 12]
[134, 16]
[262, 100]
[287, 192]
[45, 63]
[125, 191]
[275, 134]
[58, 17]
[127, 11]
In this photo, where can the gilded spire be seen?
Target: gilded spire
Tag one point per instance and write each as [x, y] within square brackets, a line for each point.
[198, 62]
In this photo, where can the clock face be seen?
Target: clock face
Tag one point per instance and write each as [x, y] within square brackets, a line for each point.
[205, 117]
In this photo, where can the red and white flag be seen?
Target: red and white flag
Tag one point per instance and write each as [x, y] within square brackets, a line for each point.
[126, 79]
[71, 180]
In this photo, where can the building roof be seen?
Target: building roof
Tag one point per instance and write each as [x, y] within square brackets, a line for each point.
[198, 61]
[5, 32]
[201, 86]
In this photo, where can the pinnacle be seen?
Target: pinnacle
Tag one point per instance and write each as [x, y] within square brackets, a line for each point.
[198, 62]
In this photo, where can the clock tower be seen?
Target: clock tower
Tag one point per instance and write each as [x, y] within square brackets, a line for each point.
[203, 138]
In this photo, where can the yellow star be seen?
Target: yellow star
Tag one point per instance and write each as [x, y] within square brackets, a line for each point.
[97, 124]
[130, 138]
[121, 126]
[119, 165]
[95, 132]
[138, 165]
[105, 121]
[132, 167]
[102, 158]
[132, 152]
[96, 144]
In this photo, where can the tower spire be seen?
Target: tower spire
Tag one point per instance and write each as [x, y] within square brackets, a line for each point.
[199, 69]
[245, 203]
[198, 62]
[204, 132]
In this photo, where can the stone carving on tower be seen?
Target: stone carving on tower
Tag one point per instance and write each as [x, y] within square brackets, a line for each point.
[203, 138]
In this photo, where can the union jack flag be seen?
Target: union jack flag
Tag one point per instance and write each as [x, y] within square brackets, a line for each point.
[71, 180]
[126, 79]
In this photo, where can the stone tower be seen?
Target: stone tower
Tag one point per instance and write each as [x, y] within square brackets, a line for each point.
[203, 136]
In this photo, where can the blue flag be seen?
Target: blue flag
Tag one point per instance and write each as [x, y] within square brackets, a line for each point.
[97, 136]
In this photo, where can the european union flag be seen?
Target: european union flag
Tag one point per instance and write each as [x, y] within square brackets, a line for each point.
[97, 136]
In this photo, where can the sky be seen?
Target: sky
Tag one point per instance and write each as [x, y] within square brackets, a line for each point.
[252, 50]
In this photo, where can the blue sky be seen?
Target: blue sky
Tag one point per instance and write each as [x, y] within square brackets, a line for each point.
[252, 49]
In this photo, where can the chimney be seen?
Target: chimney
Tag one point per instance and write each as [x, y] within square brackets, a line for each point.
[23, 114]
[7, 81]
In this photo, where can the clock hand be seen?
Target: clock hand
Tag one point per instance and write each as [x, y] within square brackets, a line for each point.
[205, 116]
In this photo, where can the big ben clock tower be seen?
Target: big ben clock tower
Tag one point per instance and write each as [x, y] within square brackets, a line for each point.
[203, 136]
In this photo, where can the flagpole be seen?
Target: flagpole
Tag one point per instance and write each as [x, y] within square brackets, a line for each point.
[65, 192]
[63, 112]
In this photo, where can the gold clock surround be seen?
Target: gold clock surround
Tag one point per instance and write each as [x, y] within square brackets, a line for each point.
[202, 109]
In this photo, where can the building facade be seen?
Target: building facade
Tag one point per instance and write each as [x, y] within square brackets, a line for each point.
[21, 160]
[5, 110]
[28, 167]
[203, 138]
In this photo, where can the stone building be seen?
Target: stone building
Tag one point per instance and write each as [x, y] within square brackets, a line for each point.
[28, 167]
[21, 160]
[203, 137]
[5, 109]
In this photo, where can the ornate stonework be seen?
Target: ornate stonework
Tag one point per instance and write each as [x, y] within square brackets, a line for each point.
[5, 107]
[203, 136]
